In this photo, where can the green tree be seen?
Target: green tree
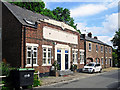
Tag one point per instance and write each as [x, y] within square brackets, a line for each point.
[114, 56]
[33, 6]
[48, 12]
[64, 16]
[116, 42]
[116, 39]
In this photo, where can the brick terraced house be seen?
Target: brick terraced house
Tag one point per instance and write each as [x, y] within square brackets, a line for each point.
[26, 33]
[97, 51]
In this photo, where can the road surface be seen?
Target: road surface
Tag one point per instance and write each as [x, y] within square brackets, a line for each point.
[104, 80]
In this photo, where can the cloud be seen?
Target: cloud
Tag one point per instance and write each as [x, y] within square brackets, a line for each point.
[111, 23]
[106, 39]
[78, 0]
[87, 10]
[92, 9]
[109, 26]
[113, 4]
[104, 33]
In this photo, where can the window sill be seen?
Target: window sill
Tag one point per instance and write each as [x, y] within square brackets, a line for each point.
[89, 50]
[35, 65]
[75, 63]
[47, 65]
[81, 62]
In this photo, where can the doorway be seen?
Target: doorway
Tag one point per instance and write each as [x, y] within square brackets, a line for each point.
[66, 59]
[59, 58]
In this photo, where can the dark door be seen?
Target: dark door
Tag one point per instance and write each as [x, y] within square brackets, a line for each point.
[110, 62]
[66, 61]
[59, 60]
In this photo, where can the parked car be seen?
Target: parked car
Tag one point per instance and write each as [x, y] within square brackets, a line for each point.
[92, 67]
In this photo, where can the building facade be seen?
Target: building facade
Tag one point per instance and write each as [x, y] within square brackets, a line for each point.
[32, 39]
[97, 51]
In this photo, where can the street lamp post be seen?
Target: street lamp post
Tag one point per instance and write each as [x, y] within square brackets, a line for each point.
[32, 57]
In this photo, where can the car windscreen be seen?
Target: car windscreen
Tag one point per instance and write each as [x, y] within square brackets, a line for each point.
[90, 64]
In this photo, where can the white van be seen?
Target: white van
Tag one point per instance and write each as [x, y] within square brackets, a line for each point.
[92, 67]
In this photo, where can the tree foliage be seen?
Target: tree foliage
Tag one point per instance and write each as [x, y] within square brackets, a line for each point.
[59, 13]
[116, 39]
[116, 42]
[114, 56]
[33, 6]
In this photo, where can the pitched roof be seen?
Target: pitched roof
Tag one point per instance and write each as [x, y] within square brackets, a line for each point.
[94, 40]
[27, 17]
[23, 14]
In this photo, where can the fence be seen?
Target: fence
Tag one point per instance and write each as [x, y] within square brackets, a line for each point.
[1, 80]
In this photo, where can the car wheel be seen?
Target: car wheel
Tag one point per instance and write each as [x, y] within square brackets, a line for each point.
[100, 71]
[92, 71]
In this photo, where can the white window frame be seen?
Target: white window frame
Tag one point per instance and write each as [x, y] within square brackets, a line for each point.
[81, 56]
[75, 59]
[90, 46]
[102, 49]
[96, 48]
[109, 50]
[105, 49]
[32, 45]
[47, 47]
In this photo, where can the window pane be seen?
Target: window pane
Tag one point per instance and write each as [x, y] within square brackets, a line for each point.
[44, 49]
[35, 54]
[44, 54]
[34, 61]
[49, 61]
[66, 51]
[29, 48]
[28, 60]
[89, 46]
[49, 49]
[49, 54]
[35, 48]
[58, 50]
[29, 54]
[44, 61]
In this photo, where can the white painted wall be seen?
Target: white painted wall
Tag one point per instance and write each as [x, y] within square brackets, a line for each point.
[58, 23]
[57, 35]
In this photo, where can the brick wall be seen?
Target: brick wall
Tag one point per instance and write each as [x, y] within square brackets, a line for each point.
[36, 36]
[93, 54]
[11, 38]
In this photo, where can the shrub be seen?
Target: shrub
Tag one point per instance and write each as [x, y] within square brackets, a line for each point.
[57, 67]
[5, 68]
[36, 81]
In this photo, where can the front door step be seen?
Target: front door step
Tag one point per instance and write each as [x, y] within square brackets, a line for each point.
[65, 72]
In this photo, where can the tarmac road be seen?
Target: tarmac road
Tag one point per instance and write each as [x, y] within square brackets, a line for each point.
[104, 80]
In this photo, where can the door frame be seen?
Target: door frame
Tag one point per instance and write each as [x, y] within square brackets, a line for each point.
[63, 48]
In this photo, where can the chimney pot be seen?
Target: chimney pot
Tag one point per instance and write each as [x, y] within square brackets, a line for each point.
[90, 35]
[95, 37]
[83, 35]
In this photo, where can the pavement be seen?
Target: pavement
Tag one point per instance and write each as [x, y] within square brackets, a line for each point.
[52, 80]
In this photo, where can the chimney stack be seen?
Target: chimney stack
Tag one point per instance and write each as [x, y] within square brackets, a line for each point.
[95, 37]
[90, 35]
[83, 35]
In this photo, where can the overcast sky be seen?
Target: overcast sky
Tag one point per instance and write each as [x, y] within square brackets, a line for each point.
[100, 18]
